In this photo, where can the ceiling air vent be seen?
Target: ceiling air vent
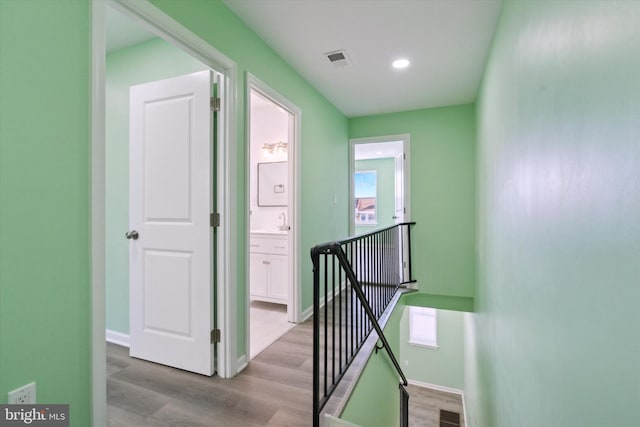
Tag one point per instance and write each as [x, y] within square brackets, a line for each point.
[338, 58]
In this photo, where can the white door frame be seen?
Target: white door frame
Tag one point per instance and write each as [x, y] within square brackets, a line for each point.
[156, 21]
[406, 148]
[293, 303]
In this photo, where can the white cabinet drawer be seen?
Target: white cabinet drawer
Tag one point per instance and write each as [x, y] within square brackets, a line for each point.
[266, 245]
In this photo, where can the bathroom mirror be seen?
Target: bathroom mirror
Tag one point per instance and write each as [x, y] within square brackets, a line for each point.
[272, 184]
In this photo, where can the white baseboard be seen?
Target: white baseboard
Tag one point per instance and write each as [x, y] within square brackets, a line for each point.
[331, 421]
[464, 411]
[436, 387]
[306, 314]
[118, 338]
[241, 363]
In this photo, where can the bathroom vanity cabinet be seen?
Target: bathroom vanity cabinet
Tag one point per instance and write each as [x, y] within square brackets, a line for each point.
[268, 261]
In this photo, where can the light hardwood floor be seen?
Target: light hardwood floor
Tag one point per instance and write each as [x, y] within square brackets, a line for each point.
[425, 405]
[274, 390]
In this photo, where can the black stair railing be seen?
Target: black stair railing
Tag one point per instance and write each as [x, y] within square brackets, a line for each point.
[354, 280]
[404, 406]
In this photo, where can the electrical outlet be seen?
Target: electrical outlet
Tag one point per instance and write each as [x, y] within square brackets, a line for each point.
[24, 395]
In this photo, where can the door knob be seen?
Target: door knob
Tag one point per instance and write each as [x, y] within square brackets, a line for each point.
[133, 234]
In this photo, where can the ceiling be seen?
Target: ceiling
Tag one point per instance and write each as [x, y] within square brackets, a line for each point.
[377, 150]
[122, 31]
[447, 42]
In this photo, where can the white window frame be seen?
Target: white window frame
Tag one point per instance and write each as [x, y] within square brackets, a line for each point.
[367, 221]
[420, 318]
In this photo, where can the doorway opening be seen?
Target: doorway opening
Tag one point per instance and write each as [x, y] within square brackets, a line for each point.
[379, 187]
[160, 143]
[273, 233]
[158, 26]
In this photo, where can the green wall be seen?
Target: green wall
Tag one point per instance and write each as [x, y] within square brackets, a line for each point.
[44, 182]
[44, 202]
[145, 62]
[442, 192]
[375, 401]
[443, 366]
[385, 205]
[555, 340]
[324, 149]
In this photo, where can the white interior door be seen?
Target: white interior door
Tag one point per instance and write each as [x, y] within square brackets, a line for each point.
[171, 196]
[399, 215]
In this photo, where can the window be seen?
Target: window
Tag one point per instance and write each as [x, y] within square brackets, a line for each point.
[423, 326]
[365, 192]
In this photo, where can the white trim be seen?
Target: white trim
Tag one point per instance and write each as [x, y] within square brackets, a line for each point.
[153, 19]
[417, 344]
[293, 214]
[175, 33]
[331, 421]
[242, 363]
[436, 387]
[156, 21]
[306, 314]
[464, 411]
[406, 144]
[119, 338]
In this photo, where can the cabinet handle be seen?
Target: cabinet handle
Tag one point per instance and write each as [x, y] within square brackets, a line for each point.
[279, 247]
[266, 262]
[255, 246]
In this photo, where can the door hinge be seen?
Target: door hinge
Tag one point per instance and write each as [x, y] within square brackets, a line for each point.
[404, 210]
[215, 335]
[214, 220]
[404, 156]
[215, 104]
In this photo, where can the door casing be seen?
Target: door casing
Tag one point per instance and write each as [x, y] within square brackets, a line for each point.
[293, 304]
[406, 148]
[154, 20]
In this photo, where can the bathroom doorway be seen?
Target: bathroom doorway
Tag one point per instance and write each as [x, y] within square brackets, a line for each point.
[273, 283]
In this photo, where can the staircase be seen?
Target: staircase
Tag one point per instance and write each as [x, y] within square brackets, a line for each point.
[355, 281]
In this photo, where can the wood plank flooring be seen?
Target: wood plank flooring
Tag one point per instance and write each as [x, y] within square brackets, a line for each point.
[274, 390]
[425, 405]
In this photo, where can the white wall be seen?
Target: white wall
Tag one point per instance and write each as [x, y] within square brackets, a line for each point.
[269, 124]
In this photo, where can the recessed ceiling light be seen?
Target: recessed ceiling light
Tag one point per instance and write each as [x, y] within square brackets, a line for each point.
[400, 63]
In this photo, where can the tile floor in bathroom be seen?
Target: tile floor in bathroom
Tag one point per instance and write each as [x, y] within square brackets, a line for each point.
[268, 322]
